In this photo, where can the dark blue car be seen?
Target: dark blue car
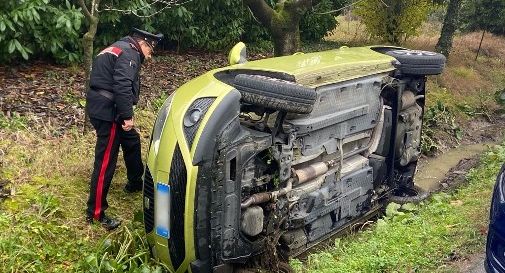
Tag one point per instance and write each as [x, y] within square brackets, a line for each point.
[495, 247]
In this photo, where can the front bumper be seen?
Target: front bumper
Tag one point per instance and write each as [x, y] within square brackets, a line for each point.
[184, 151]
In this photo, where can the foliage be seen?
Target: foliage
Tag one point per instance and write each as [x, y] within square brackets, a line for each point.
[438, 118]
[484, 15]
[319, 20]
[393, 20]
[39, 28]
[207, 24]
[125, 250]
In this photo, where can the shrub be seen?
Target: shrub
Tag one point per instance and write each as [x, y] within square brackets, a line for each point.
[320, 20]
[39, 28]
[393, 20]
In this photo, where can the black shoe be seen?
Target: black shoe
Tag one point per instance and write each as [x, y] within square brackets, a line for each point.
[132, 187]
[106, 222]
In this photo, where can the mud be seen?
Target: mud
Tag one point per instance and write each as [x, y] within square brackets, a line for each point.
[439, 172]
[481, 130]
[444, 170]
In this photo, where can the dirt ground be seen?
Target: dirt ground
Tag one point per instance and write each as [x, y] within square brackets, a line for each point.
[54, 95]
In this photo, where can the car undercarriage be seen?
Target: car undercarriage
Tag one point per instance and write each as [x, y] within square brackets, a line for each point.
[290, 164]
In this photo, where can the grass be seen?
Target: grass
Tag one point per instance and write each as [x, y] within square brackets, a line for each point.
[42, 223]
[430, 237]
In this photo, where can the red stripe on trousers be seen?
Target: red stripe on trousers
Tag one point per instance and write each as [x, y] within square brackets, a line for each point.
[101, 177]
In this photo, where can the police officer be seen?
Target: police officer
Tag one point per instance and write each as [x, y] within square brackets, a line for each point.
[114, 90]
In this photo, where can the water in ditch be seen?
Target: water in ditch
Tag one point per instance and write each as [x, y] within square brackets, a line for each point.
[432, 170]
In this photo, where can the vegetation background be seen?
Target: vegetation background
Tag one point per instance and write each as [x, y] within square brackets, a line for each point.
[46, 158]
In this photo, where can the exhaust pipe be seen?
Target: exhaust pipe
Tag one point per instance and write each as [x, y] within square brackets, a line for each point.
[301, 175]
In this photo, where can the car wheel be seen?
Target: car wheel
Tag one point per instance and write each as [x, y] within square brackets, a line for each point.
[418, 62]
[409, 195]
[275, 94]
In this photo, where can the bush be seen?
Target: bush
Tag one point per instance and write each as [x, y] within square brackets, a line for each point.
[320, 20]
[39, 28]
[393, 20]
[210, 24]
[204, 24]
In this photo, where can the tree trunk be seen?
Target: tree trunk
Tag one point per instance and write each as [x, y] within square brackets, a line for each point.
[87, 43]
[286, 41]
[283, 22]
[285, 32]
[451, 21]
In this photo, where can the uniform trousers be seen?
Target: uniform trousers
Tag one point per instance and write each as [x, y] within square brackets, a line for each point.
[109, 136]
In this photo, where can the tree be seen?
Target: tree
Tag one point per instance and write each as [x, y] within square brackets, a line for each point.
[89, 37]
[484, 15]
[393, 20]
[282, 21]
[450, 26]
[137, 8]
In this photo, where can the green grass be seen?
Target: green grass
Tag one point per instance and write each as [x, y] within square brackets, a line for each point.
[426, 238]
[44, 230]
[43, 224]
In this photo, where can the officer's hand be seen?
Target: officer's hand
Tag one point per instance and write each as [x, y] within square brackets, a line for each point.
[127, 124]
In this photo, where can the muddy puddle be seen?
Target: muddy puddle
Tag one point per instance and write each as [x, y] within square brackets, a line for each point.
[433, 170]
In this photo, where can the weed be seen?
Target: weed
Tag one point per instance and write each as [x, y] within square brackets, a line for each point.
[122, 251]
[438, 118]
[158, 102]
[464, 72]
[13, 122]
[47, 205]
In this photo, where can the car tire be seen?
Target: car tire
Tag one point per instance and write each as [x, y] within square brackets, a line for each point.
[413, 195]
[275, 94]
[418, 62]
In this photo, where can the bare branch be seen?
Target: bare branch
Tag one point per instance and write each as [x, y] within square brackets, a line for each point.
[261, 10]
[85, 9]
[93, 7]
[167, 3]
[342, 8]
[384, 3]
[299, 7]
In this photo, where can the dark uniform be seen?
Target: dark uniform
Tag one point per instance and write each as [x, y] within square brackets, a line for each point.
[114, 90]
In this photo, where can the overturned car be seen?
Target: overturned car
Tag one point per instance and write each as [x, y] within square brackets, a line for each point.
[277, 155]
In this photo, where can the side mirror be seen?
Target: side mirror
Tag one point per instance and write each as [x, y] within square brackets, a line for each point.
[238, 54]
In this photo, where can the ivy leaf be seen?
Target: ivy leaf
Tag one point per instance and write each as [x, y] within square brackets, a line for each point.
[2, 26]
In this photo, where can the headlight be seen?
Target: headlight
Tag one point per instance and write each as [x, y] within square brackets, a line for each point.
[160, 123]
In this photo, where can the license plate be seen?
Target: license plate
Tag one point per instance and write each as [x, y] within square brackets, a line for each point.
[162, 210]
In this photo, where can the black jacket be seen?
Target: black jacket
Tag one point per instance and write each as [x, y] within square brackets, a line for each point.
[115, 70]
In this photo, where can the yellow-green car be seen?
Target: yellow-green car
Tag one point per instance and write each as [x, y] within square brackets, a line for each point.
[264, 159]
